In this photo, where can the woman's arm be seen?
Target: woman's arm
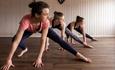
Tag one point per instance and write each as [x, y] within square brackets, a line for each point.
[71, 29]
[71, 26]
[43, 41]
[83, 31]
[63, 25]
[14, 46]
[38, 63]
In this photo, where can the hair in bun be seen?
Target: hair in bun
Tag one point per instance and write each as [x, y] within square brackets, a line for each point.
[79, 19]
[55, 12]
[31, 5]
[57, 15]
[37, 7]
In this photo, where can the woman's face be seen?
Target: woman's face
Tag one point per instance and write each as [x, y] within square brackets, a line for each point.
[45, 13]
[61, 19]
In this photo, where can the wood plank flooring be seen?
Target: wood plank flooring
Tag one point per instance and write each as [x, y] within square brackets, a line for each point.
[103, 56]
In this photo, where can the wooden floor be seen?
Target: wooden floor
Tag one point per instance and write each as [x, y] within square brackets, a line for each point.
[103, 56]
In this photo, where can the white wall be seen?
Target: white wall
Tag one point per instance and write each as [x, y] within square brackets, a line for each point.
[99, 14]
[11, 12]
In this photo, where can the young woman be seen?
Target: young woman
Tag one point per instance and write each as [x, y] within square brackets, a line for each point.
[31, 23]
[79, 26]
[58, 22]
[37, 21]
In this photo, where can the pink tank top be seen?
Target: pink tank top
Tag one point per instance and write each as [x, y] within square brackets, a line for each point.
[26, 24]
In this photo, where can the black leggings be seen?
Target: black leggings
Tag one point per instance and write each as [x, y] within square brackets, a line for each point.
[79, 30]
[52, 35]
[26, 35]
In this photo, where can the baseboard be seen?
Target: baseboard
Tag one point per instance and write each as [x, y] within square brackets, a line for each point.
[13, 35]
[79, 36]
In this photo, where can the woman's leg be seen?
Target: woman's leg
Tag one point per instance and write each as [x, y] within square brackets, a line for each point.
[52, 35]
[87, 35]
[68, 32]
[22, 42]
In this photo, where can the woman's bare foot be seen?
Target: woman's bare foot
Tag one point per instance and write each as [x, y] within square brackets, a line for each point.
[73, 42]
[47, 45]
[93, 39]
[88, 46]
[22, 52]
[46, 48]
[83, 58]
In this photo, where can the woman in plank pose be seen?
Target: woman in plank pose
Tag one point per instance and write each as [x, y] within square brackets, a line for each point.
[79, 26]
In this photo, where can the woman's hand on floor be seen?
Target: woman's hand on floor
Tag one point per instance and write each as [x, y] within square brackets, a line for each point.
[7, 65]
[38, 63]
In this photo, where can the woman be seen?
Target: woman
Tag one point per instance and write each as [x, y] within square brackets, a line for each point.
[31, 23]
[79, 26]
[37, 21]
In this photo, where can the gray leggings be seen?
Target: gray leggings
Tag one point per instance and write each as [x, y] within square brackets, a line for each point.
[69, 33]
